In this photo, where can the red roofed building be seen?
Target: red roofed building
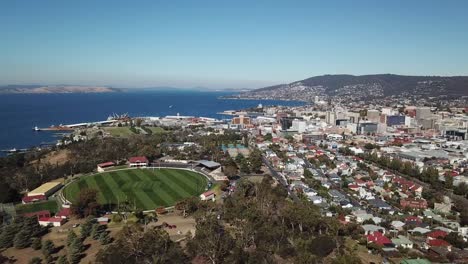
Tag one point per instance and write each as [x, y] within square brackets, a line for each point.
[438, 243]
[64, 213]
[102, 166]
[413, 203]
[407, 185]
[209, 195]
[138, 161]
[54, 221]
[33, 198]
[378, 238]
[353, 187]
[436, 234]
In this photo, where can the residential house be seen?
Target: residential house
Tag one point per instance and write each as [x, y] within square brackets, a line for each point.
[402, 241]
[413, 203]
[378, 238]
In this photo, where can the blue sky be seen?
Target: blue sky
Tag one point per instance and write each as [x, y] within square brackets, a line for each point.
[227, 44]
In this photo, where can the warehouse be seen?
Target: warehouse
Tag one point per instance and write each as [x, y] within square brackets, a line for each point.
[46, 189]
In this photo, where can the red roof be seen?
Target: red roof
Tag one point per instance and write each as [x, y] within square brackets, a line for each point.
[28, 199]
[378, 238]
[51, 219]
[438, 243]
[106, 164]
[65, 212]
[208, 193]
[353, 186]
[141, 159]
[437, 234]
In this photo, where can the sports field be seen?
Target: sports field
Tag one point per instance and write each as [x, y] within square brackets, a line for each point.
[145, 188]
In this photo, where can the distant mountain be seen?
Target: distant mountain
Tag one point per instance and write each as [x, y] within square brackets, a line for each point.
[363, 86]
[44, 89]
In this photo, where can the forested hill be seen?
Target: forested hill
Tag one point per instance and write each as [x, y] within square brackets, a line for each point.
[377, 85]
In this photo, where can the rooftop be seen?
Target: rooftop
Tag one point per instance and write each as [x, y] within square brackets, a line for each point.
[44, 188]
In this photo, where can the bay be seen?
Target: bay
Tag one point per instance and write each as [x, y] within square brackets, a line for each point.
[19, 113]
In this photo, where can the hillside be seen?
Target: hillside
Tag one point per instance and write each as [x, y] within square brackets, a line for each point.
[364, 86]
[44, 89]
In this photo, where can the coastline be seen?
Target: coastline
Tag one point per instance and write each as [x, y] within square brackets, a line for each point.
[264, 98]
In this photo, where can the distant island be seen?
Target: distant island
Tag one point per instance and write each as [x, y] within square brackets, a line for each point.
[58, 89]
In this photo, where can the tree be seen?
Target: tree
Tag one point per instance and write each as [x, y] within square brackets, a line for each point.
[71, 237]
[86, 203]
[135, 245]
[104, 238]
[36, 243]
[35, 260]
[255, 160]
[448, 182]
[96, 231]
[86, 227]
[75, 251]
[48, 248]
[211, 240]
[22, 239]
[62, 260]
[8, 234]
[244, 166]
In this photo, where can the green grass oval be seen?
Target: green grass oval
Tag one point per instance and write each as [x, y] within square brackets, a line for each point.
[146, 189]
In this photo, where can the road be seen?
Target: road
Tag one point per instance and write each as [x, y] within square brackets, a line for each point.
[280, 179]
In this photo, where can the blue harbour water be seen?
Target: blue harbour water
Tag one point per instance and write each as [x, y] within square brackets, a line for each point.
[19, 113]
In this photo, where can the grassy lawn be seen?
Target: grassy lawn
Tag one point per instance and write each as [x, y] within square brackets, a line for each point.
[119, 131]
[157, 130]
[145, 188]
[39, 206]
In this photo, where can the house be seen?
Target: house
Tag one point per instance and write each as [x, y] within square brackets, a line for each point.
[413, 220]
[33, 198]
[315, 199]
[64, 213]
[403, 242]
[103, 166]
[209, 195]
[437, 243]
[380, 204]
[102, 220]
[53, 221]
[413, 203]
[397, 225]
[436, 234]
[138, 162]
[419, 230]
[378, 238]
[372, 228]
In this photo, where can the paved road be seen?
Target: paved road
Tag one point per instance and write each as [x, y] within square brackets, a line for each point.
[280, 179]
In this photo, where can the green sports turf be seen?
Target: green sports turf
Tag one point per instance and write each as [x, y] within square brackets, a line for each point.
[37, 206]
[145, 188]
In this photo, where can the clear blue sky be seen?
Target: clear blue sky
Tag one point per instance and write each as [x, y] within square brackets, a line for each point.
[223, 45]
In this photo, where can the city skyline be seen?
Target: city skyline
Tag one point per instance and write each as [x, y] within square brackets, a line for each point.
[236, 45]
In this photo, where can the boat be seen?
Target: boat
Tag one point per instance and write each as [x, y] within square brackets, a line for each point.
[36, 128]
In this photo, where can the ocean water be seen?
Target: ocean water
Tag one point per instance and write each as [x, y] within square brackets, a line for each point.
[19, 113]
